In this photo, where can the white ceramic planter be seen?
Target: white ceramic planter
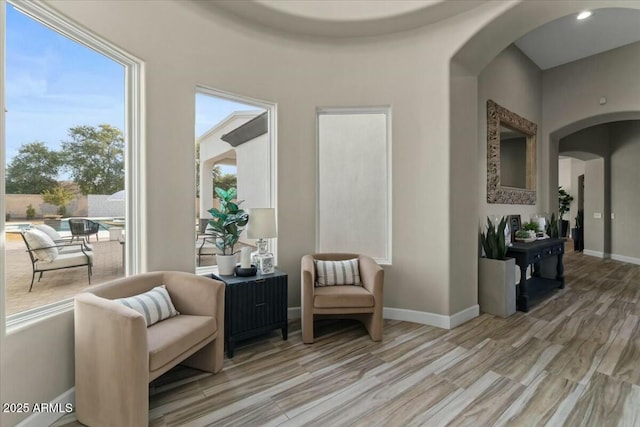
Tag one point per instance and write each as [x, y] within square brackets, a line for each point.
[496, 286]
[226, 264]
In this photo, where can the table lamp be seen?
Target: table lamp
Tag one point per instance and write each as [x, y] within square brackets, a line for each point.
[262, 226]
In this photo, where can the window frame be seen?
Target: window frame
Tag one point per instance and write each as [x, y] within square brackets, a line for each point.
[387, 259]
[134, 149]
[272, 111]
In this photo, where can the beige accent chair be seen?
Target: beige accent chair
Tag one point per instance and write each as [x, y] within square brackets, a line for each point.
[116, 355]
[363, 303]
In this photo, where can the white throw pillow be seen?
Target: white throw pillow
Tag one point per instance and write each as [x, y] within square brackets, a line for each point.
[332, 273]
[155, 305]
[39, 239]
[49, 231]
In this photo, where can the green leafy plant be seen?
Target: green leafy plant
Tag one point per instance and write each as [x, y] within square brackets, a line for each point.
[531, 226]
[552, 227]
[31, 212]
[564, 201]
[493, 241]
[228, 220]
[59, 197]
[522, 234]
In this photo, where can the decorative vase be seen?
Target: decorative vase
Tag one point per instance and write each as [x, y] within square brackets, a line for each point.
[226, 264]
[497, 286]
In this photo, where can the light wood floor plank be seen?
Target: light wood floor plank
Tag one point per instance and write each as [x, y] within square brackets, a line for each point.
[571, 361]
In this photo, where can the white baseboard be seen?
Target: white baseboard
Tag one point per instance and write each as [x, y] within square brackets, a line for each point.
[625, 258]
[422, 317]
[464, 316]
[596, 254]
[50, 412]
[432, 319]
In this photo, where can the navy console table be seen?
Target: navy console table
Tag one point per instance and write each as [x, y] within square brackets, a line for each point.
[253, 306]
[542, 281]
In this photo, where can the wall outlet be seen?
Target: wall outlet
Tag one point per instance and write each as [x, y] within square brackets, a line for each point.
[597, 215]
[613, 216]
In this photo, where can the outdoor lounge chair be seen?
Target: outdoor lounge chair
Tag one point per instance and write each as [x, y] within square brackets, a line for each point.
[58, 239]
[46, 255]
[205, 241]
[206, 246]
[82, 228]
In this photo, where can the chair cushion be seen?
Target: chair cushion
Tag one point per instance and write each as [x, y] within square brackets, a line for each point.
[348, 296]
[39, 239]
[155, 305]
[331, 273]
[67, 259]
[49, 231]
[168, 339]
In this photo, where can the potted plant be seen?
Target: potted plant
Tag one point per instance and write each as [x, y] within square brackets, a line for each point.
[564, 204]
[531, 228]
[524, 236]
[577, 233]
[496, 273]
[226, 224]
[552, 227]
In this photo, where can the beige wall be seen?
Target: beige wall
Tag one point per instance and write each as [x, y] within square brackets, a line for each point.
[514, 82]
[610, 185]
[571, 95]
[299, 76]
[16, 205]
[594, 205]
[37, 364]
[625, 192]
[435, 231]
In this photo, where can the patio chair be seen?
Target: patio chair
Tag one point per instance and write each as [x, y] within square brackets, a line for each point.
[46, 255]
[58, 239]
[83, 229]
[206, 246]
[205, 241]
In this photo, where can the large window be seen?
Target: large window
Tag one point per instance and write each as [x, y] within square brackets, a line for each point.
[234, 148]
[354, 181]
[69, 142]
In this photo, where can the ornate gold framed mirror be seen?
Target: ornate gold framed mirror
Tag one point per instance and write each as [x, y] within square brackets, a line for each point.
[511, 157]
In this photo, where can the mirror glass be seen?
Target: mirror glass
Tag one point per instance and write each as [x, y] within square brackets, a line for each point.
[511, 157]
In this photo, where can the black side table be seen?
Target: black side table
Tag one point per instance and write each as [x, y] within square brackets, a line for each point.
[530, 291]
[253, 306]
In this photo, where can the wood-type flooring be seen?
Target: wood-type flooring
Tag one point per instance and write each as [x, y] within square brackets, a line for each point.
[573, 360]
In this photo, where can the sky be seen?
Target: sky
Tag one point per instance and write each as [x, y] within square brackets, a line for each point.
[54, 83]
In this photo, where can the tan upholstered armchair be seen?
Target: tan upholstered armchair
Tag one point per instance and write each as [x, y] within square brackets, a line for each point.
[117, 355]
[363, 303]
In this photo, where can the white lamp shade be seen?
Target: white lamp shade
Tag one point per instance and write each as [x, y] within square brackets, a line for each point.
[262, 223]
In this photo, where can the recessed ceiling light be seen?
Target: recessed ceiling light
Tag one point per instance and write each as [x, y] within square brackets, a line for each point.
[584, 15]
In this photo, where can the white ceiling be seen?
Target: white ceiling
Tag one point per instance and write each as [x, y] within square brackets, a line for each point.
[566, 39]
[343, 18]
[555, 43]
